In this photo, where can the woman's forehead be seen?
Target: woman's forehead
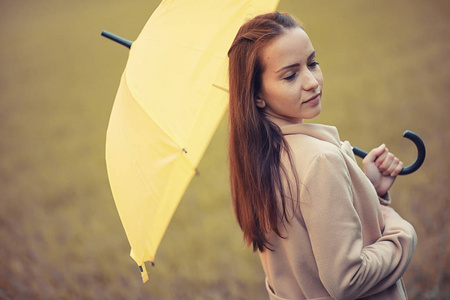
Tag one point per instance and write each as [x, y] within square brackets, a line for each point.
[293, 46]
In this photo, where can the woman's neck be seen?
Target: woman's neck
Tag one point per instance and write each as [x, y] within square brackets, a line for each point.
[280, 121]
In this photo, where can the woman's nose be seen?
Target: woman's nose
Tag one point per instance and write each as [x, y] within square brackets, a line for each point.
[310, 81]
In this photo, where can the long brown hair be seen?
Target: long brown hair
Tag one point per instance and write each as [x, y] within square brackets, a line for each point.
[255, 143]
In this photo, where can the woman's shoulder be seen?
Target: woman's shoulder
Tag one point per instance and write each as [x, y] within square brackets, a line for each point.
[311, 140]
[306, 148]
[308, 142]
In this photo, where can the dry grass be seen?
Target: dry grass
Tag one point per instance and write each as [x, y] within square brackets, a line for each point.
[386, 68]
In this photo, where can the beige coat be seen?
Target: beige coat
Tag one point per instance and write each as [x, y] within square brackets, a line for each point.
[337, 245]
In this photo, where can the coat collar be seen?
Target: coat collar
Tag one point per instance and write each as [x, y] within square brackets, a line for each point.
[322, 132]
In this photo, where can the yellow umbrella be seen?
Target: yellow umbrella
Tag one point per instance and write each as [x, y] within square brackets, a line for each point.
[169, 103]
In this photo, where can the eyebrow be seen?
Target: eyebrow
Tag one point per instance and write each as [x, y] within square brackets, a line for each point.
[296, 64]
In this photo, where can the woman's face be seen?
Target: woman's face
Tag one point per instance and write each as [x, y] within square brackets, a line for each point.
[292, 80]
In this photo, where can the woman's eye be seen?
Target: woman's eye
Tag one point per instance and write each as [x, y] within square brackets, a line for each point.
[290, 77]
[313, 64]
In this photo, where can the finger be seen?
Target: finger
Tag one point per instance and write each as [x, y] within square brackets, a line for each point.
[380, 159]
[398, 169]
[374, 154]
[392, 166]
[389, 159]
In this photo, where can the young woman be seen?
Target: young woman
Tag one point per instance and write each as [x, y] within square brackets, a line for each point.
[321, 225]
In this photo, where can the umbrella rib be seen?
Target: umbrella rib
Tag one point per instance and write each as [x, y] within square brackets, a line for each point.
[222, 88]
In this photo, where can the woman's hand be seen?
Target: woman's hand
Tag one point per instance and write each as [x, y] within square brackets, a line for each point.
[381, 167]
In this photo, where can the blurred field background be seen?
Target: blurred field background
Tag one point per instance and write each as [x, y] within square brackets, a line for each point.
[386, 66]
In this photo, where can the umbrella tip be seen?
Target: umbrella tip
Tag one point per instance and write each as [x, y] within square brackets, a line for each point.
[117, 39]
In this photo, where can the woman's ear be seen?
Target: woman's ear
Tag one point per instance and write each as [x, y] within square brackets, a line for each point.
[260, 102]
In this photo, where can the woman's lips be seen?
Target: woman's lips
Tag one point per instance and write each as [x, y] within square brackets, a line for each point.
[314, 100]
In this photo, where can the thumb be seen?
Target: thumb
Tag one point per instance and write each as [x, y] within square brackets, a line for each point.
[374, 153]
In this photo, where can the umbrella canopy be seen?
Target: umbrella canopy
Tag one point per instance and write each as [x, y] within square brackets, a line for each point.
[171, 98]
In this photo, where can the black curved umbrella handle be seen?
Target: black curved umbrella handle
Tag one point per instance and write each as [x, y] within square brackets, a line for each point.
[420, 153]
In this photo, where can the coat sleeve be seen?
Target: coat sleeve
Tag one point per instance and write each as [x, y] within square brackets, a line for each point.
[346, 268]
[346, 147]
